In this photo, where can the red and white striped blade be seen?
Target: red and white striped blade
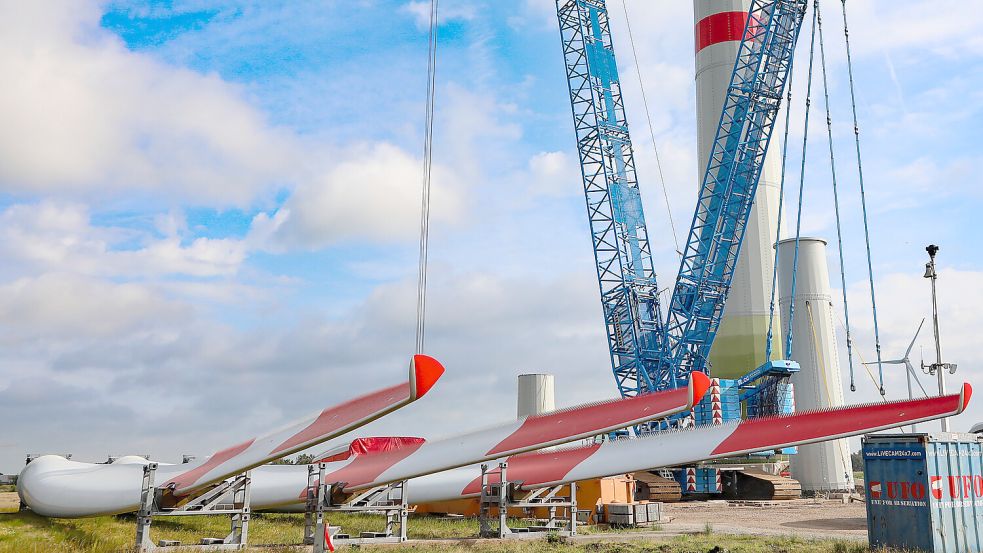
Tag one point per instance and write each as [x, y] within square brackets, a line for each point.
[726, 440]
[421, 457]
[326, 425]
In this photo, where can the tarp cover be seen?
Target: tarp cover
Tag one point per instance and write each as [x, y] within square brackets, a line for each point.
[363, 446]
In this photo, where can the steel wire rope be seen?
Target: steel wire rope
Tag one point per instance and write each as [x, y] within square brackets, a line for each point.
[802, 180]
[863, 195]
[836, 204]
[421, 302]
[769, 340]
[860, 354]
[648, 116]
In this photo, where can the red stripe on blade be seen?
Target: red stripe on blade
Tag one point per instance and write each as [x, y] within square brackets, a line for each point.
[720, 27]
[367, 468]
[186, 479]
[335, 418]
[551, 427]
[536, 468]
[763, 434]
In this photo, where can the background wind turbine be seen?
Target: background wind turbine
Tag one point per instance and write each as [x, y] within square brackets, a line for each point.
[908, 367]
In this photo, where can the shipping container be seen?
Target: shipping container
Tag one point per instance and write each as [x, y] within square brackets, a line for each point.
[924, 491]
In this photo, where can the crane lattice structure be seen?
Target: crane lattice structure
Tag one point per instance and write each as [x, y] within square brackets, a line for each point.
[648, 354]
[629, 292]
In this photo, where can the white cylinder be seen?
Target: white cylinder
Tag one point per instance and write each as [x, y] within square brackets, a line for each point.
[740, 342]
[818, 385]
[536, 394]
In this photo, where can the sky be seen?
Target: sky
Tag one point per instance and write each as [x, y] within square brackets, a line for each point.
[209, 209]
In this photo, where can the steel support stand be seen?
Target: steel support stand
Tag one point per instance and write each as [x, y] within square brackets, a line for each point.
[503, 499]
[504, 495]
[230, 498]
[390, 500]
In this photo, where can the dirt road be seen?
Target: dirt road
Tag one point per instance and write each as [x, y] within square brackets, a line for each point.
[804, 518]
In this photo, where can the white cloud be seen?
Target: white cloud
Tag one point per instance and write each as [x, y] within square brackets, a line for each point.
[60, 237]
[82, 113]
[937, 27]
[62, 306]
[927, 176]
[554, 174]
[370, 193]
[535, 13]
[485, 329]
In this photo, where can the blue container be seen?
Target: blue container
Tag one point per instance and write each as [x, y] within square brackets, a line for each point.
[924, 491]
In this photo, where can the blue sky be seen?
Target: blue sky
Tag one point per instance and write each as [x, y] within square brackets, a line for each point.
[209, 207]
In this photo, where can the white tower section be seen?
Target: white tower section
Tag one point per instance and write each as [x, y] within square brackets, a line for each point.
[818, 385]
[536, 394]
[740, 343]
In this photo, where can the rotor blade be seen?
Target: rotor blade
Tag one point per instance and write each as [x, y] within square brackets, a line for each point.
[912, 344]
[329, 423]
[533, 432]
[914, 375]
[54, 486]
[279, 486]
[891, 362]
[727, 440]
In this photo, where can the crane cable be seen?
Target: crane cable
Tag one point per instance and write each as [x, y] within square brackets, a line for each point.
[822, 365]
[648, 116]
[802, 179]
[836, 205]
[769, 341]
[863, 197]
[865, 365]
[421, 301]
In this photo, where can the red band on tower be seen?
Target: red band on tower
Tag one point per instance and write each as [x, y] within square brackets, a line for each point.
[720, 27]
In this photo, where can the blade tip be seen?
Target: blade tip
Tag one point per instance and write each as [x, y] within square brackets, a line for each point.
[965, 394]
[426, 372]
[699, 384]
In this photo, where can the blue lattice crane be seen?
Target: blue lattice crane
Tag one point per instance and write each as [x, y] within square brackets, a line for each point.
[629, 293]
[649, 353]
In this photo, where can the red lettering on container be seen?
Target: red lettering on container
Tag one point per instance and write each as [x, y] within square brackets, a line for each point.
[936, 483]
[954, 487]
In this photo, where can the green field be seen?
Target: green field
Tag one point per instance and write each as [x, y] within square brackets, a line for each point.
[28, 533]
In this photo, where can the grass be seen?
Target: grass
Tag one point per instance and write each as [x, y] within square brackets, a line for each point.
[26, 532]
[9, 502]
[8, 488]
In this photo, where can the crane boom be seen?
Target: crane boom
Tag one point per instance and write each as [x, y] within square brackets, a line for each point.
[649, 353]
[729, 185]
[629, 292]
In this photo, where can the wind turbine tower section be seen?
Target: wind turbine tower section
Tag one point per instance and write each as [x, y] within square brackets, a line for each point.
[740, 342]
[818, 384]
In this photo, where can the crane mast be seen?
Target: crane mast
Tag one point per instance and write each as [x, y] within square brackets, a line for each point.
[649, 353]
[733, 170]
[622, 254]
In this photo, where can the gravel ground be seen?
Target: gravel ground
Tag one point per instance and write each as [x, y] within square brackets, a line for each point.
[804, 518]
